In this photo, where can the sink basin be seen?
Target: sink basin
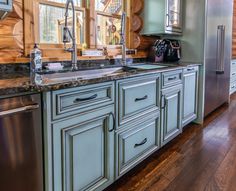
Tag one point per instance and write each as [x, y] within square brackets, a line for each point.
[83, 74]
[147, 66]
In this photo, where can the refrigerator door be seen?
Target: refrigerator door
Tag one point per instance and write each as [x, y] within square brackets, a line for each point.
[218, 53]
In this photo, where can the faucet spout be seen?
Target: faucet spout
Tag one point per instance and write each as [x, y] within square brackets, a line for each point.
[67, 34]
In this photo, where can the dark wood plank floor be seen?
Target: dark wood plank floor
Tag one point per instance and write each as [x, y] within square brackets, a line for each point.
[203, 158]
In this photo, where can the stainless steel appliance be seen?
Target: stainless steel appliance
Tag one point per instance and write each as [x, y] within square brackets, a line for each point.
[21, 163]
[218, 47]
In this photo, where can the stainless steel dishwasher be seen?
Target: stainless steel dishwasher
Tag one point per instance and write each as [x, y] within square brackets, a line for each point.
[21, 163]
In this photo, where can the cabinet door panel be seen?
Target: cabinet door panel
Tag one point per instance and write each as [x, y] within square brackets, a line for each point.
[171, 113]
[190, 96]
[83, 152]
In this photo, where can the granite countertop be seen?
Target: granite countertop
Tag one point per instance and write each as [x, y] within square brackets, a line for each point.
[19, 82]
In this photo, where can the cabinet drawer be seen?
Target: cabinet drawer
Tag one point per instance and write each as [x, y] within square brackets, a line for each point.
[232, 87]
[233, 76]
[136, 97]
[137, 143]
[233, 65]
[172, 78]
[190, 69]
[76, 100]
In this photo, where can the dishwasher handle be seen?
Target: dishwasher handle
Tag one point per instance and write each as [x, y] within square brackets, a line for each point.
[19, 110]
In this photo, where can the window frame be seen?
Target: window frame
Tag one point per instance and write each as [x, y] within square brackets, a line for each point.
[31, 27]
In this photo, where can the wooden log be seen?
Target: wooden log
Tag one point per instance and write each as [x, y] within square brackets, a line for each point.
[138, 6]
[143, 42]
[137, 23]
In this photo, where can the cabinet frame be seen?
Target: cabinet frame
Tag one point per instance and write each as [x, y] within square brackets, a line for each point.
[54, 157]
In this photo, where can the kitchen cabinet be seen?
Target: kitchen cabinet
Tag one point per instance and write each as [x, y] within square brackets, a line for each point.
[162, 17]
[171, 109]
[190, 94]
[5, 7]
[79, 139]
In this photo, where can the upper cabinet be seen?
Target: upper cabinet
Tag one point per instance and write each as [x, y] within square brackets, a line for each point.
[5, 7]
[162, 17]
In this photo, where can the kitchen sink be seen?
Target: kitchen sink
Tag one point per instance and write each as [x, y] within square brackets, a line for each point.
[147, 66]
[94, 73]
[77, 75]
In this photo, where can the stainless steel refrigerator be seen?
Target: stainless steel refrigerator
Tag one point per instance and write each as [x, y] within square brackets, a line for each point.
[218, 48]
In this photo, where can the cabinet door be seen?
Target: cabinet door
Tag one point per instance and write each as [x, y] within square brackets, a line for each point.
[83, 152]
[190, 97]
[174, 16]
[6, 5]
[171, 114]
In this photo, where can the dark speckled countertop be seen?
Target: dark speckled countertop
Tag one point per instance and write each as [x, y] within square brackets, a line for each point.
[19, 82]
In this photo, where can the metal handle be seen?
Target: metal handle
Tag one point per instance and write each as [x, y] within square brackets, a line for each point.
[86, 99]
[19, 110]
[190, 69]
[164, 106]
[233, 74]
[114, 122]
[141, 99]
[173, 78]
[140, 144]
[220, 49]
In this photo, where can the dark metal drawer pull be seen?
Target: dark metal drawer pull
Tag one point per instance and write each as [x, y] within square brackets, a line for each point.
[140, 144]
[86, 99]
[140, 99]
[233, 74]
[190, 69]
[173, 78]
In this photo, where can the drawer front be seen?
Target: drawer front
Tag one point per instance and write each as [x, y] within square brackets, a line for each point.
[172, 78]
[190, 69]
[76, 100]
[233, 76]
[233, 65]
[136, 96]
[232, 87]
[136, 144]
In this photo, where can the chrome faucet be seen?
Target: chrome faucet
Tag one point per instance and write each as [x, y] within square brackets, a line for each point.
[67, 35]
[123, 38]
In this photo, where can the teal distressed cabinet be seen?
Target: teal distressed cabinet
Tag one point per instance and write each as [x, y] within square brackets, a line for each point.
[171, 105]
[138, 121]
[190, 95]
[162, 17]
[79, 148]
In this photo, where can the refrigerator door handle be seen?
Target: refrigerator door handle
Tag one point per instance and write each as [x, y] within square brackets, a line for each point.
[220, 49]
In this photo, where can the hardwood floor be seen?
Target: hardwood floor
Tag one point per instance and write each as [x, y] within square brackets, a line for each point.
[203, 158]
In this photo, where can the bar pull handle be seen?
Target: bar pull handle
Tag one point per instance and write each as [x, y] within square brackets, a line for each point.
[86, 99]
[140, 144]
[141, 99]
[165, 102]
[220, 49]
[114, 122]
[19, 110]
